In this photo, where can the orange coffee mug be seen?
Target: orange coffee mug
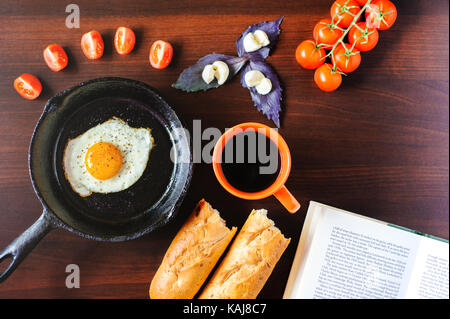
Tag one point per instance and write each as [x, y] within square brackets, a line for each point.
[277, 188]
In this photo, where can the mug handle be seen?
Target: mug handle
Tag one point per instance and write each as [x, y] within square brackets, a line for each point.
[287, 199]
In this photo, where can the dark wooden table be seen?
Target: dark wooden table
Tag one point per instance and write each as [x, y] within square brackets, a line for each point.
[378, 146]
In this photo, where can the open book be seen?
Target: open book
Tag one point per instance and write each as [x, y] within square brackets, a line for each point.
[345, 255]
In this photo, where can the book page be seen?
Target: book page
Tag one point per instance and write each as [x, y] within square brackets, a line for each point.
[429, 278]
[355, 257]
[314, 215]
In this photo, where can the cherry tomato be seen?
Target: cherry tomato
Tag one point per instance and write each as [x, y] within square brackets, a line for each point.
[365, 40]
[327, 78]
[346, 59]
[340, 12]
[381, 14]
[55, 57]
[309, 55]
[92, 45]
[28, 86]
[361, 2]
[327, 33]
[124, 40]
[160, 54]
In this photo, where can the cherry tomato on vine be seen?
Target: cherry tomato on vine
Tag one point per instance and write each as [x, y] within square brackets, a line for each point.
[309, 55]
[365, 40]
[326, 78]
[92, 45]
[341, 12]
[55, 57]
[161, 54]
[327, 33]
[346, 59]
[28, 86]
[361, 2]
[124, 40]
[381, 14]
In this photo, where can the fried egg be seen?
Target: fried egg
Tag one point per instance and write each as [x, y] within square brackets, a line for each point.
[107, 158]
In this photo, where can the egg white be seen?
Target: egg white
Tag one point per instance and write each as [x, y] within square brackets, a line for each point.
[134, 144]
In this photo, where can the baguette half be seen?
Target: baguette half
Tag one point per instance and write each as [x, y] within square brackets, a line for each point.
[192, 254]
[250, 260]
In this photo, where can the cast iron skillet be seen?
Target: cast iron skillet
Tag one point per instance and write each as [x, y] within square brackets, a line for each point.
[149, 203]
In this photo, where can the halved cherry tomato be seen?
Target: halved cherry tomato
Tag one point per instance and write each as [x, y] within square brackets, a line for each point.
[327, 33]
[160, 54]
[28, 86]
[124, 40]
[327, 78]
[55, 57]
[309, 55]
[381, 14]
[92, 45]
[346, 59]
[366, 38]
[341, 12]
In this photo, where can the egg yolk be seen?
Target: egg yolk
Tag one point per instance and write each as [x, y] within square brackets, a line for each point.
[103, 160]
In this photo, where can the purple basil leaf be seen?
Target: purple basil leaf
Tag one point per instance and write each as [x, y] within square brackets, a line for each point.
[269, 104]
[271, 28]
[190, 80]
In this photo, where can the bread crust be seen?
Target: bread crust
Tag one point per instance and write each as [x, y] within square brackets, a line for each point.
[192, 254]
[250, 260]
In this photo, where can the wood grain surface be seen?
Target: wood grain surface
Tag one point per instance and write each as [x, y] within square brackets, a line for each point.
[378, 146]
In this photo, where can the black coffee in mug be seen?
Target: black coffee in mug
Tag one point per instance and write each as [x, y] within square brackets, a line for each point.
[250, 161]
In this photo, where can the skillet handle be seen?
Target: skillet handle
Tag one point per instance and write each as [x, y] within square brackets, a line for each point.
[25, 243]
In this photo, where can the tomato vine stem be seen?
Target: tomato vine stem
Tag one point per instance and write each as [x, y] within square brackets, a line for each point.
[355, 20]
